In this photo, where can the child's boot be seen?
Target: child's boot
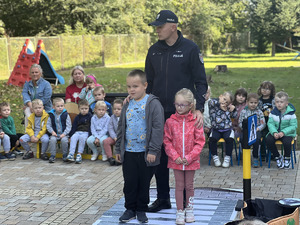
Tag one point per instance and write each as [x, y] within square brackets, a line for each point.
[287, 163]
[216, 160]
[255, 162]
[180, 214]
[226, 162]
[111, 161]
[189, 215]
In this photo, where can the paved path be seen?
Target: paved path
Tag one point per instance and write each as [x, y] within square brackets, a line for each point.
[36, 192]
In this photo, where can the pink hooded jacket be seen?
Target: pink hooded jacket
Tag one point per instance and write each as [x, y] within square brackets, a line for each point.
[183, 139]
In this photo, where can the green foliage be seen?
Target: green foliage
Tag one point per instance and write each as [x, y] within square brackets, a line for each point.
[273, 20]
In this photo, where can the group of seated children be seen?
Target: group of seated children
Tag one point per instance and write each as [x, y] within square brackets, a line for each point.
[98, 130]
[276, 120]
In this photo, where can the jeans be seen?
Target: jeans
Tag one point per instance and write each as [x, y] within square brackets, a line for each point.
[90, 143]
[6, 143]
[80, 137]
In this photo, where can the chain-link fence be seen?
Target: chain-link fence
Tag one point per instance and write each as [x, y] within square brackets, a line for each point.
[88, 50]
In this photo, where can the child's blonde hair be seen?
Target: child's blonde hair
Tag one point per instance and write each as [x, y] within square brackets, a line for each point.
[188, 96]
[99, 88]
[251, 222]
[252, 95]
[90, 78]
[282, 94]
[37, 102]
[229, 94]
[100, 104]
[57, 100]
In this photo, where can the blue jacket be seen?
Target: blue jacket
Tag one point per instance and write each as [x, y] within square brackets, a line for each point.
[63, 121]
[171, 68]
[42, 91]
[109, 109]
[81, 123]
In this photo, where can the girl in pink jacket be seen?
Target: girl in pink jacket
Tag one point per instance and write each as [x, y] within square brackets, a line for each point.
[183, 144]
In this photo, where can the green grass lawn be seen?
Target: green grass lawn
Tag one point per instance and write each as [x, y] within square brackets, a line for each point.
[244, 70]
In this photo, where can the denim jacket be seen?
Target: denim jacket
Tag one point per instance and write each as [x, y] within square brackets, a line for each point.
[43, 92]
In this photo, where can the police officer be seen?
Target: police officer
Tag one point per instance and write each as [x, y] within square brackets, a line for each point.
[172, 63]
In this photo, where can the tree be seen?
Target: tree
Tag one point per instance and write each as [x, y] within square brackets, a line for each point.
[272, 21]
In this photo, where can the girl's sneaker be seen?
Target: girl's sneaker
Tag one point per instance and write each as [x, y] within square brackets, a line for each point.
[189, 215]
[287, 163]
[94, 156]
[70, 158]
[216, 160]
[78, 159]
[279, 161]
[180, 214]
[255, 162]
[226, 162]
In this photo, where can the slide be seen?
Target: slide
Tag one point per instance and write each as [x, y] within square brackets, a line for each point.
[27, 57]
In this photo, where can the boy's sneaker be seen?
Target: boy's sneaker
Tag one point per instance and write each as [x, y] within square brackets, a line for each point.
[226, 162]
[127, 216]
[112, 161]
[94, 156]
[255, 162]
[279, 161]
[141, 216]
[180, 217]
[70, 158]
[18, 152]
[216, 161]
[44, 156]
[65, 157]
[189, 215]
[10, 156]
[28, 155]
[2, 157]
[78, 159]
[287, 163]
[52, 159]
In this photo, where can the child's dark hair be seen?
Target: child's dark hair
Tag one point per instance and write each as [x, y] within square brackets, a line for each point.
[83, 102]
[4, 104]
[269, 85]
[240, 91]
[252, 95]
[140, 73]
[118, 101]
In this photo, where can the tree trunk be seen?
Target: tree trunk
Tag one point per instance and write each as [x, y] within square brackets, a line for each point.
[273, 48]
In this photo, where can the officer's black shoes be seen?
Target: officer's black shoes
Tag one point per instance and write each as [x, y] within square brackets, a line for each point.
[159, 204]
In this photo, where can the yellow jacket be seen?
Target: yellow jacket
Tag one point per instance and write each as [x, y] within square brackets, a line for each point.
[30, 126]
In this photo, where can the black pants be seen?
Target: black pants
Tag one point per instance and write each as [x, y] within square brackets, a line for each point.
[162, 172]
[137, 177]
[216, 136]
[14, 139]
[286, 141]
[255, 145]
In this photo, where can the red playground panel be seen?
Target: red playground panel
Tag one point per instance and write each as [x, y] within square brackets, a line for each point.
[20, 73]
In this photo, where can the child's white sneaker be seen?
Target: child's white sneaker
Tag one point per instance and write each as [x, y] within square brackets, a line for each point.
[189, 215]
[279, 161]
[104, 156]
[226, 162]
[180, 217]
[94, 156]
[216, 160]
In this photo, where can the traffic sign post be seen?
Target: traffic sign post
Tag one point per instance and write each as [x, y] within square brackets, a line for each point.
[249, 138]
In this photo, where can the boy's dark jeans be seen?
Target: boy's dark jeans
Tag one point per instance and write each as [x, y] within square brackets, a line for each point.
[137, 176]
[286, 141]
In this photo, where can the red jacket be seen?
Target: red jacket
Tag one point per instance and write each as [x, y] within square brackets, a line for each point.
[183, 139]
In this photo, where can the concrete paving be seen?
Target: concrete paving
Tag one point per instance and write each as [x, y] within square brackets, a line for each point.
[36, 192]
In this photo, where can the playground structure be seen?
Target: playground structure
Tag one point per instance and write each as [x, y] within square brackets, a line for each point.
[290, 49]
[27, 57]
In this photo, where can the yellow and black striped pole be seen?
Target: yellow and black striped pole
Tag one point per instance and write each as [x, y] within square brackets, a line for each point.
[246, 162]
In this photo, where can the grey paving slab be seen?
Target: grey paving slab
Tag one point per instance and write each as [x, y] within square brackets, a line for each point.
[36, 192]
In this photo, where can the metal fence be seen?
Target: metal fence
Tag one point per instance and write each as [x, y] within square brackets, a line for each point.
[68, 51]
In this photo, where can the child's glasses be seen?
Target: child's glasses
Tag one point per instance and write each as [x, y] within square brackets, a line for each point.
[182, 106]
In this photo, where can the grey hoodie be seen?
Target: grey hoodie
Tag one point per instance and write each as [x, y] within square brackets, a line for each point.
[155, 130]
